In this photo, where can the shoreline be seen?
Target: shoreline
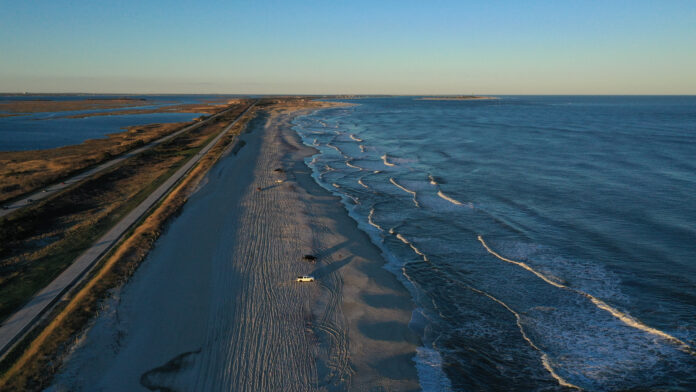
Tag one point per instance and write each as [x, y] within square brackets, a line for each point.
[377, 306]
[237, 305]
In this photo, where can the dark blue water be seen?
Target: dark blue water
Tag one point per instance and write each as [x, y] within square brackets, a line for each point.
[548, 241]
[51, 129]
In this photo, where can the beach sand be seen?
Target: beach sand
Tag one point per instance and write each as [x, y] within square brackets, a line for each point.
[215, 305]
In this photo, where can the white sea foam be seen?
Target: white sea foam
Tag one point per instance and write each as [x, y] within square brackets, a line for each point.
[428, 361]
[360, 181]
[430, 374]
[415, 249]
[357, 139]
[432, 180]
[385, 159]
[544, 357]
[371, 221]
[623, 317]
[405, 190]
[334, 147]
[449, 199]
[353, 166]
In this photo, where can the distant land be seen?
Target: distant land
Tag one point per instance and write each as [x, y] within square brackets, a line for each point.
[455, 98]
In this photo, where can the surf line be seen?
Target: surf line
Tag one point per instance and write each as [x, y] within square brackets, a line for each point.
[544, 357]
[545, 361]
[386, 162]
[623, 317]
[406, 190]
[407, 242]
[357, 139]
[371, 222]
[442, 194]
[353, 166]
[334, 147]
[449, 199]
[360, 181]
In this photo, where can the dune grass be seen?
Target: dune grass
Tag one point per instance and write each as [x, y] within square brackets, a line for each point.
[31, 365]
[40, 241]
[22, 172]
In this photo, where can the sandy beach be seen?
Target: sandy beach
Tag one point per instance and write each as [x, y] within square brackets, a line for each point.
[215, 305]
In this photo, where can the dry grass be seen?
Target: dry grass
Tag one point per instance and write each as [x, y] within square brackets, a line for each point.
[35, 365]
[187, 108]
[22, 172]
[37, 106]
[37, 243]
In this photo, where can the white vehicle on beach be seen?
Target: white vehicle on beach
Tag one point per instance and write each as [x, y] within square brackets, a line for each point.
[305, 278]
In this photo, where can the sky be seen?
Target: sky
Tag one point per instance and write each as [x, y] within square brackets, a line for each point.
[349, 47]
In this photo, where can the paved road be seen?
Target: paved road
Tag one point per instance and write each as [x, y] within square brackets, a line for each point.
[24, 320]
[54, 188]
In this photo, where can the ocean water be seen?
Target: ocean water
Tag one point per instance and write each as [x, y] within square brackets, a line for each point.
[549, 242]
[51, 129]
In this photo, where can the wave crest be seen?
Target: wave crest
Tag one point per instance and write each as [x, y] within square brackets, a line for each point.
[385, 159]
[357, 139]
[415, 201]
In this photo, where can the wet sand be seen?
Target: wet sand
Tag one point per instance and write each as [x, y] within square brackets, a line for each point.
[215, 305]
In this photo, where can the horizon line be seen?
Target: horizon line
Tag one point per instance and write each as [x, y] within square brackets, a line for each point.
[337, 94]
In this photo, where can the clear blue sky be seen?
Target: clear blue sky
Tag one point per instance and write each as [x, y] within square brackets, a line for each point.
[395, 47]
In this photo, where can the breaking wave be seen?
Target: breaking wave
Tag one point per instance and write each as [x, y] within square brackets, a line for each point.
[353, 166]
[623, 317]
[413, 193]
[449, 199]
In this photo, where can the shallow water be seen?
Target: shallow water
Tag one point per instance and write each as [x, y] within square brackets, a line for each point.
[51, 129]
[547, 241]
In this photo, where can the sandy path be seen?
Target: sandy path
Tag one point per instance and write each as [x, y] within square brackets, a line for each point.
[215, 306]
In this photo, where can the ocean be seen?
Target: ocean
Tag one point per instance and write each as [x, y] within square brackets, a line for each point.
[34, 131]
[549, 242]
